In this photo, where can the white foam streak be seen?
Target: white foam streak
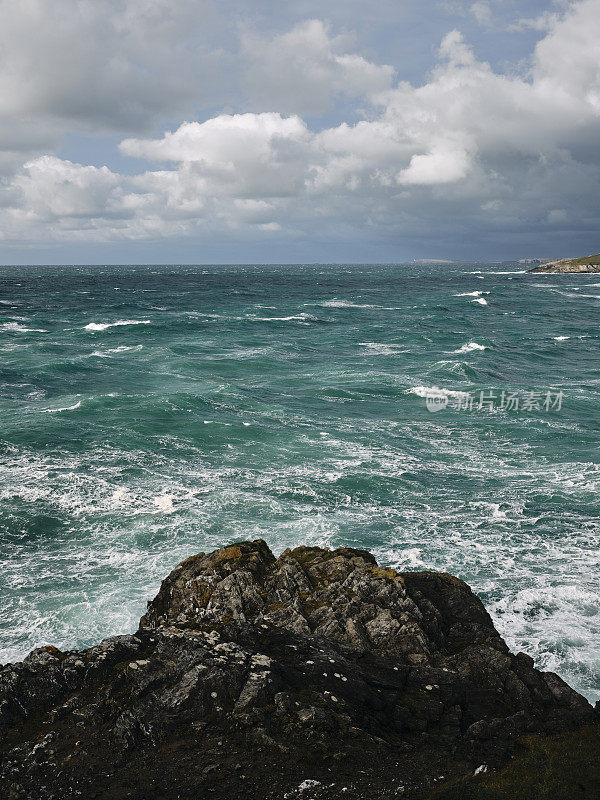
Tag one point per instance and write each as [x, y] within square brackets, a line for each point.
[292, 318]
[348, 304]
[15, 327]
[345, 304]
[381, 349]
[102, 326]
[57, 410]
[109, 352]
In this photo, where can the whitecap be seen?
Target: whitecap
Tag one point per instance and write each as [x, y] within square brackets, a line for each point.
[411, 558]
[561, 338]
[428, 391]
[481, 301]
[56, 410]
[471, 294]
[555, 624]
[102, 326]
[14, 327]
[469, 347]
[497, 514]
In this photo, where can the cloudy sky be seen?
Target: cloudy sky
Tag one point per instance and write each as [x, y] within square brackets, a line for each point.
[252, 131]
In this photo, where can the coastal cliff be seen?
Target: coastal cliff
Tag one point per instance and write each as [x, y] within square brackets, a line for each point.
[570, 265]
[318, 674]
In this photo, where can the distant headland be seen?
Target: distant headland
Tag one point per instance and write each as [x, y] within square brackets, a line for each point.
[585, 264]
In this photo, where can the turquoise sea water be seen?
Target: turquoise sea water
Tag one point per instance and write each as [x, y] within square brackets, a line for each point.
[148, 413]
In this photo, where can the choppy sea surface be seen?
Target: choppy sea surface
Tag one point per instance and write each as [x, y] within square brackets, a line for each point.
[148, 413]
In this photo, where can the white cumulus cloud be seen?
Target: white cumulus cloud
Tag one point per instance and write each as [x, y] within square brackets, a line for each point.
[469, 148]
[303, 70]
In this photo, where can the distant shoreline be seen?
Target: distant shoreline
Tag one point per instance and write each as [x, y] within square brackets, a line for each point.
[586, 264]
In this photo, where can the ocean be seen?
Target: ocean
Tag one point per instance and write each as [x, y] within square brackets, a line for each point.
[444, 416]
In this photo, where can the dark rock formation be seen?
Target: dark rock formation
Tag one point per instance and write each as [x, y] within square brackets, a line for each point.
[314, 675]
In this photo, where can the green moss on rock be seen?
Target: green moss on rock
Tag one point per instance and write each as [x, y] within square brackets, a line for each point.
[562, 767]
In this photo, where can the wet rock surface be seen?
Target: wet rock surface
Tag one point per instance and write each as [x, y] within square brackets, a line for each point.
[315, 675]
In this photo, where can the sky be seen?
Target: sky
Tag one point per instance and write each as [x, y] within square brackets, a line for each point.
[247, 131]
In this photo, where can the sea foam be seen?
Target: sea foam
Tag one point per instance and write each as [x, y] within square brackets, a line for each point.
[429, 391]
[102, 326]
[15, 327]
[470, 347]
[64, 408]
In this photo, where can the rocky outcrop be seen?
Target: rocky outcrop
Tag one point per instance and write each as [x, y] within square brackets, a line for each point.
[570, 265]
[315, 675]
